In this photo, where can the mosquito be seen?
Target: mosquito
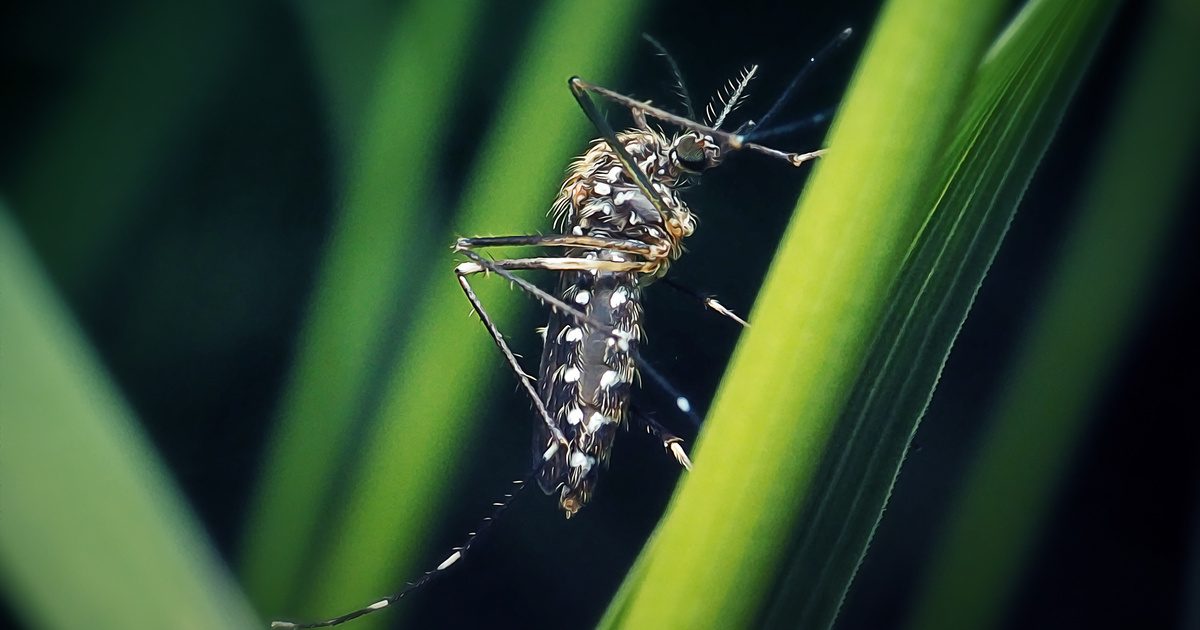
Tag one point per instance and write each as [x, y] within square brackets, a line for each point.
[621, 225]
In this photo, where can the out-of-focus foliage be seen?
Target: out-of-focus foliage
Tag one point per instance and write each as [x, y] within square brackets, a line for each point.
[1083, 319]
[92, 532]
[225, 235]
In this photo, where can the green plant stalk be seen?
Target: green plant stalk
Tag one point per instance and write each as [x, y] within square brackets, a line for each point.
[1087, 310]
[1018, 98]
[793, 371]
[367, 264]
[431, 403]
[137, 93]
[93, 534]
[346, 41]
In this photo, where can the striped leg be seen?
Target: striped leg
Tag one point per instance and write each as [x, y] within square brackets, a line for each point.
[456, 554]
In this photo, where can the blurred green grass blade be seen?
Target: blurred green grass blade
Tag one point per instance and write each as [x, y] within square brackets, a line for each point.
[345, 41]
[432, 399]
[93, 534]
[717, 554]
[136, 93]
[1087, 309]
[378, 233]
[1016, 103]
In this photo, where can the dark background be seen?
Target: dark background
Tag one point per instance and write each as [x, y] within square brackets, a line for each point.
[196, 311]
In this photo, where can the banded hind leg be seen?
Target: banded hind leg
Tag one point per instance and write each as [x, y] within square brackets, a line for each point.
[456, 554]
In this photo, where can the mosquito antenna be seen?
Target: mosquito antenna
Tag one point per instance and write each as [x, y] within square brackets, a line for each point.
[734, 95]
[680, 86]
[456, 554]
[813, 62]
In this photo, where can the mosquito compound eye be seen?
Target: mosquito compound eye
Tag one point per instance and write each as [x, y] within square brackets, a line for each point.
[690, 155]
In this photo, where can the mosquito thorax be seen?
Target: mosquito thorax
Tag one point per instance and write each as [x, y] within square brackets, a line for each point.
[600, 198]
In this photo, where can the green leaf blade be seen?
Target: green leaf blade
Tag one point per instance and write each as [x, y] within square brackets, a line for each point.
[1085, 311]
[812, 327]
[1021, 93]
[93, 534]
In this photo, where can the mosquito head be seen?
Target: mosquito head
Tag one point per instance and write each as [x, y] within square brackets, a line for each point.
[695, 153]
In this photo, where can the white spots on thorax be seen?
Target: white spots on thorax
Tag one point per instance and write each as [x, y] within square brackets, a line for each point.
[583, 297]
[582, 461]
[609, 379]
[615, 257]
[550, 451]
[577, 231]
[602, 188]
[595, 422]
[647, 165]
[623, 197]
[614, 175]
[599, 206]
[575, 416]
[619, 297]
[571, 374]
[574, 334]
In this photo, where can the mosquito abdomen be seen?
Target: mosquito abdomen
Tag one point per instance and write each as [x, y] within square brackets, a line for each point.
[585, 379]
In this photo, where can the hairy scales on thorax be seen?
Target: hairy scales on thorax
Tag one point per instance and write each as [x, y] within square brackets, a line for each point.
[586, 374]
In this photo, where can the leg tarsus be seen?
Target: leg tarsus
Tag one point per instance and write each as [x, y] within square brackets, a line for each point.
[708, 301]
[457, 553]
[671, 442]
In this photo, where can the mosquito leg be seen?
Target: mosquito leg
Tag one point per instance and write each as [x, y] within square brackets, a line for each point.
[549, 263]
[671, 442]
[558, 240]
[456, 554]
[681, 402]
[639, 118]
[708, 301]
[479, 263]
[544, 297]
[523, 378]
[735, 142]
[580, 90]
